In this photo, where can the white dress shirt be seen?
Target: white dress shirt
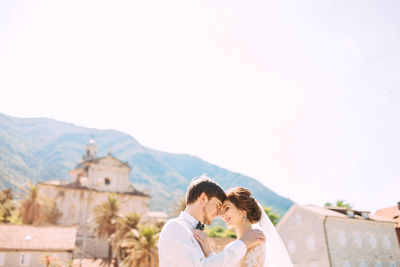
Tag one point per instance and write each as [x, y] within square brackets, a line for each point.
[177, 246]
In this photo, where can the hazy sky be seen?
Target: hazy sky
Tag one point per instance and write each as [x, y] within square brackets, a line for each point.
[302, 95]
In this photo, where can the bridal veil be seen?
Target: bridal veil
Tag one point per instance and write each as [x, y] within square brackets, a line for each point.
[276, 254]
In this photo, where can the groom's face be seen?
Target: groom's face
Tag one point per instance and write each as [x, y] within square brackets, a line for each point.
[211, 209]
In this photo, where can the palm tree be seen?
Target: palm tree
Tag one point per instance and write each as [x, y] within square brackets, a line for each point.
[32, 210]
[124, 224]
[141, 247]
[106, 215]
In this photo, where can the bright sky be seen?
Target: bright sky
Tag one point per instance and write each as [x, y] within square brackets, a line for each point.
[302, 95]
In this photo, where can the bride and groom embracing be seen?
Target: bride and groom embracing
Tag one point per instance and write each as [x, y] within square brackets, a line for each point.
[183, 244]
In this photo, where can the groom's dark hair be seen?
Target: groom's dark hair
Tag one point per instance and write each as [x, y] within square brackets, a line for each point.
[204, 184]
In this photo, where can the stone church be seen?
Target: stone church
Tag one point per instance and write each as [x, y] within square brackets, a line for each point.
[90, 183]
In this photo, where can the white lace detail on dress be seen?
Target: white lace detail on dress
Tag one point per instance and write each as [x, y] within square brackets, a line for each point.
[254, 257]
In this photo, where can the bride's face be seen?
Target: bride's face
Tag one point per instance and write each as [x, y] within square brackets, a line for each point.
[231, 215]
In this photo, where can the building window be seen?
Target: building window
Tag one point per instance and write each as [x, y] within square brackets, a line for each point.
[372, 240]
[71, 212]
[393, 264]
[346, 263]
[311, 242]
[357, 239]
[378, 264]
[363, 263]
[2, 255]
[342, 239]
[25, 259]
[297, 219]
[387, 242]
[107, 181]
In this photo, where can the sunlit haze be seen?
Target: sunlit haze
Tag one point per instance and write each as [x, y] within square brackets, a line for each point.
[302, 96]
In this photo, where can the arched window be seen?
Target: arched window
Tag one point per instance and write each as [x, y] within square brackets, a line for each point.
[71, 211]
[107, 181]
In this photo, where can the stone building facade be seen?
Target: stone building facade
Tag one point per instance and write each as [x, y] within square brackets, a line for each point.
[91, 181]
[338, 237]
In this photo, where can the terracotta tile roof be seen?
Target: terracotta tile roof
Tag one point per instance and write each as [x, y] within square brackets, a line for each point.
[85, 163]
[156, 214]
[27, 237]
[77, 185]
[391, 213]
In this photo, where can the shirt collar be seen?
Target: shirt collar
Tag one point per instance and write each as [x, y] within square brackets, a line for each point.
[189, 218]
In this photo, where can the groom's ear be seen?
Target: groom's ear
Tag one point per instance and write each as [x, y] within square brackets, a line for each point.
[203, 197]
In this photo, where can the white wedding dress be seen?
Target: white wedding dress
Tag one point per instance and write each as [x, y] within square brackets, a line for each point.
[271, 254]
[255, 257]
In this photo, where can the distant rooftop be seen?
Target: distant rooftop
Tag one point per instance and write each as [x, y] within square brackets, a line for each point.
[77, 185]
[342, 212]
[156, 214]
[28, 237]
[391, 213]
[84, 163]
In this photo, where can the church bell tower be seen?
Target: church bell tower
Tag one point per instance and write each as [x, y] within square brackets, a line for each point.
[90, 151]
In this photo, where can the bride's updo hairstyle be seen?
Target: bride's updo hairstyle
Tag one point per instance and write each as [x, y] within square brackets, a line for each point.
[243, 200]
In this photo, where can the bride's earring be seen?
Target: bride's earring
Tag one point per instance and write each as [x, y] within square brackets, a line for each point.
[243, 218]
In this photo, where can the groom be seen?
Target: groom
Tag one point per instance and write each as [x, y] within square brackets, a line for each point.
[177, 245]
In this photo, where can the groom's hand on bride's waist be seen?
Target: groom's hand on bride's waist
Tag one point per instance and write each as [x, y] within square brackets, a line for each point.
[253, 238]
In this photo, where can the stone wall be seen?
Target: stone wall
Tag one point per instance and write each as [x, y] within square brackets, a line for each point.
[354, 242]
[30, 258]
[303, 234]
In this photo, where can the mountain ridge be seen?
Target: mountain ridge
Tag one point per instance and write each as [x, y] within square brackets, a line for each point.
[42, 149]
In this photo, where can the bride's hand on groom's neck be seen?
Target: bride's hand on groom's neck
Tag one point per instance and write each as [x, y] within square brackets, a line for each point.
[253, 238]
[203, 240]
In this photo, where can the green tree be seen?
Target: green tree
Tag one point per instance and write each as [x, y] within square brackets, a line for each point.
[106, 215]
[220, 232]
[339, 203]
[7, 206]
[141, 247]
[272, 215]
[15, 217]
[124, 224]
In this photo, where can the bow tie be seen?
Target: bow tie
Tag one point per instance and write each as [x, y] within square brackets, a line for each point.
[200, 226]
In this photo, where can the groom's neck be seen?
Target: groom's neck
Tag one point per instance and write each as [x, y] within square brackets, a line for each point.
[195, 211]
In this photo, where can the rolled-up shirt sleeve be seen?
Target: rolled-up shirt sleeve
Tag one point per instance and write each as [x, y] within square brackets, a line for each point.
[177, 247]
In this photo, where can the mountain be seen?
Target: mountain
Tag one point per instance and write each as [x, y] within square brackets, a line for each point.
[41, 149]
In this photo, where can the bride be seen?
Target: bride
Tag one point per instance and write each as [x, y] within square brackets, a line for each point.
[242, 212]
